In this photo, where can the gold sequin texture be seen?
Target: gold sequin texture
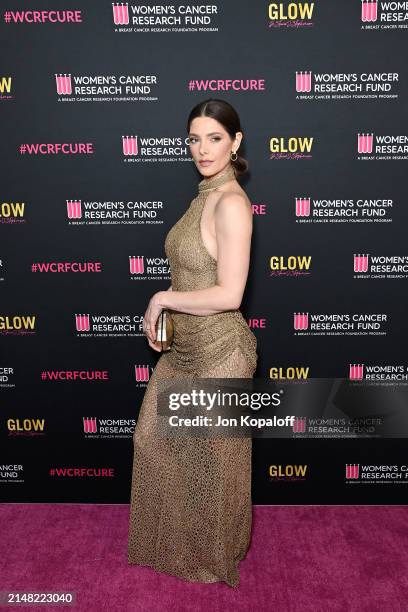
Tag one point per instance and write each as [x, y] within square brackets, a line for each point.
[191, 507]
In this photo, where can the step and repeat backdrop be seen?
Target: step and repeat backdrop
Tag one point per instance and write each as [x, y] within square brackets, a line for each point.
[96, 168]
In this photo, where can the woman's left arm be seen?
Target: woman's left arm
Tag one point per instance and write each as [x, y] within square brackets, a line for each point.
[233, 226]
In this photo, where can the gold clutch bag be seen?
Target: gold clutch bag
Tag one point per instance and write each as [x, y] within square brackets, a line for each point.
[165, 330]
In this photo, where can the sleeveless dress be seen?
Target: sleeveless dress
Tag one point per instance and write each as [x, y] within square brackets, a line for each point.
[191, 507]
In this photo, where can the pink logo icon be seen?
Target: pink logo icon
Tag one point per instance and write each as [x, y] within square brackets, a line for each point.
[365, 143]
[90, 425]
[74, 209]
[301, 320]
[299, 425]
[129, 145]
[302, 207]
[142, 373]
[120, 13]
[352, 470]
[369, 10]
[356, 371]
[136, 264]
[63, 82]
[360, 263]
[82, 322]
[303, 81]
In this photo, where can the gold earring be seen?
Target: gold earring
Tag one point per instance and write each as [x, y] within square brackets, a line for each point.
[233, 158]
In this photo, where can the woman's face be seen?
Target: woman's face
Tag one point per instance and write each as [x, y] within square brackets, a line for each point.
[210, 142]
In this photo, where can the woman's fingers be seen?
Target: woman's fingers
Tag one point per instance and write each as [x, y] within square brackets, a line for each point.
[149, 328]
[152, 330]
[155, 345]
[150, 320]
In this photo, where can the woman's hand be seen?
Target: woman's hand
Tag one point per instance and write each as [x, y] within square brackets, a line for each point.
[156, 345]
[150, 318]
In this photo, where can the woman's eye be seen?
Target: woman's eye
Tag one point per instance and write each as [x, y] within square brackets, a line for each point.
[192, 140]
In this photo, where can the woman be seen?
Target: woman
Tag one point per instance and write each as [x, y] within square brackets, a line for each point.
[191, 510]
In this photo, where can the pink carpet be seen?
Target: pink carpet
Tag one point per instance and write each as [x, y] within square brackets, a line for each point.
[302, 558]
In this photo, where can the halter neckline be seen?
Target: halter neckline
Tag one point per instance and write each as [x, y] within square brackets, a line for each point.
[212, 183]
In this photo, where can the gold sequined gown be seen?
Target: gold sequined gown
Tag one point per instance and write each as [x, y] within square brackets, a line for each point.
[191, 509]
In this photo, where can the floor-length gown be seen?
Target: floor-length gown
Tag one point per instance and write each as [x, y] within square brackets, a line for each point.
[191, 507]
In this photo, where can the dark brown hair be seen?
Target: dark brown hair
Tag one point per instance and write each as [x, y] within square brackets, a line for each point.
[225, 114]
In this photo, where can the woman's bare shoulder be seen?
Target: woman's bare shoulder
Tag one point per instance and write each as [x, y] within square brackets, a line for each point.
[233, 196]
